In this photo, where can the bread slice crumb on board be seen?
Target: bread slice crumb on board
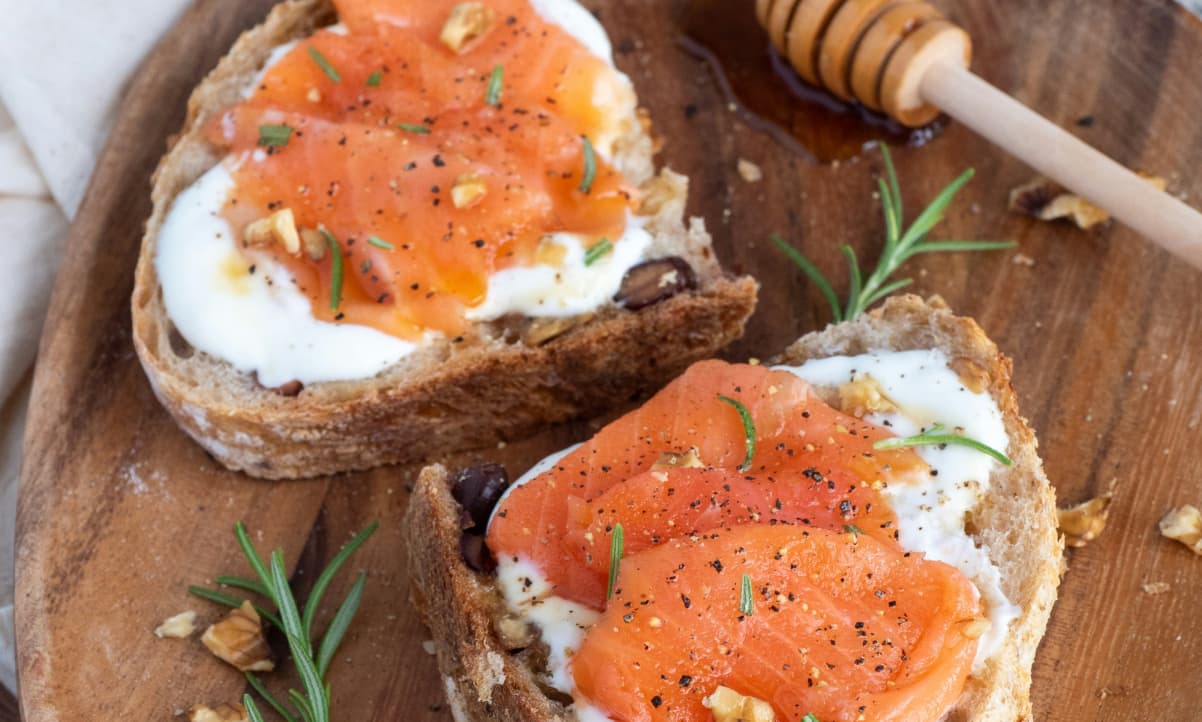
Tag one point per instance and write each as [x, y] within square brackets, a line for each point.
[1016, 524]
[491, 387]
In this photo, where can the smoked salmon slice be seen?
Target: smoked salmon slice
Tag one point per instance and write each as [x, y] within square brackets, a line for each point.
[812, 464]
[375, 127]
[841, 626]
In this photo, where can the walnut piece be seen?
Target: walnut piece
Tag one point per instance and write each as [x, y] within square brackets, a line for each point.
[1083, 523]
[749, 171]
[238, 639]
[542, 330]
[314, 243]
[223, 713]
[514, 633]
[864, 395]
[279, 227]
[691, 459]
[467, 22]
[468, 190]
[1048, 201]
[1155, 587]
[728, 705]
[1185, 525]
[180, 626]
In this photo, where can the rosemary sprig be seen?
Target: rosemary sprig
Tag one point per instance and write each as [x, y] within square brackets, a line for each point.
[272, 582]
[746, 597]
[748, 430]
[590, 165]
[496, 83]
[616, 542]
[936, 435]
[900, 246]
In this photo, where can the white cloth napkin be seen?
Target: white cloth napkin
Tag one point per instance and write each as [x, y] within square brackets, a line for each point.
[63, 66]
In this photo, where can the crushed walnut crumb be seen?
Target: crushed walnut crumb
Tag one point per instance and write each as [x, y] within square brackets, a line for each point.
[1083, 523]
[223, 713]
[1185, 525]
[1046, 200]
[749, 171]
[238, 639]
[179, 626]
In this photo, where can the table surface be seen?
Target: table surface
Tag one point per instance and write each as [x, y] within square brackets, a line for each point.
[1096, 330]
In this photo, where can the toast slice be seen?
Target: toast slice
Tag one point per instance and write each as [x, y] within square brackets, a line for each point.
[1016, 524]
[502, 381]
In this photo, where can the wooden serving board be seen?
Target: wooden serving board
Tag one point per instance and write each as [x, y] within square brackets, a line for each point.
[119, 512]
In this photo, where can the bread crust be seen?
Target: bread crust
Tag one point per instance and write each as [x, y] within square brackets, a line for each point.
[1016, 524]
[447, 396]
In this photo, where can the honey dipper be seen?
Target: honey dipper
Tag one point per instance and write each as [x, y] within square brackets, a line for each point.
[904, 58]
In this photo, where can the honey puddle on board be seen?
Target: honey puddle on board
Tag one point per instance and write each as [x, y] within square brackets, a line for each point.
[769, 95]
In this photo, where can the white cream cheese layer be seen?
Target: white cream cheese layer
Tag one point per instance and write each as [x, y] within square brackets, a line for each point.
[260, 323]
[931, 511]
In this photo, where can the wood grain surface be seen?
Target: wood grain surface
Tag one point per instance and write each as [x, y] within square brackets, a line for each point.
[119, 512]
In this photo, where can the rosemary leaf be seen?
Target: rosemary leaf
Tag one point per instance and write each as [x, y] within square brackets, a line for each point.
[590, 166]
[894, 187]
[339, 624]
[886, 290]
[275, 136]
[233, 603]
[373, 80]
[300, 647]
[810, 717]
[594, 252]
[252, 710]
[414, 128]
[496, 83]
[325, 65]
[856, 282]
[252, 556]
[249, 585]
[933, 213]
[271, 700]
[335, 269]
[616, 542]
[302, 704]
[937, 246]
[813, 274]
[380, 243]
[327, 574]
[936, 435]
[892, 230]
[746, 597]
[748, 430]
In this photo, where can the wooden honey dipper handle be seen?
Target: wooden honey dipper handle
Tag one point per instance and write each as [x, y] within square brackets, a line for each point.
[903, 57]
